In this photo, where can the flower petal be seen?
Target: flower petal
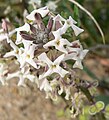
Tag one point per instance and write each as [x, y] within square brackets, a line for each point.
[2, 37]
[10, 76]
[51, 43]
[58, 18]
[49, 72]
[22, 61]
[57, 34]
[45, 85]
[71, 20]
[83, 54]
[32, 63]
[61, 90]
[76, 29]
[61, 48]
[43, 57]
[27, 44]
[65, 42]
[21, 81]
[78, 64]
[31, 77]
[13, 45]
[64, 28]
[67, 91]
[59, 59]
[25, 27]
[60, 71]
[19, 38]
[9, 54]
[42, 11]
[32, 50]
[70, 56]
[31, 16]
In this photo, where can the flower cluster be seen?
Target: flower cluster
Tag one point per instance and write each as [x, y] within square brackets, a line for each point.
[43, 48]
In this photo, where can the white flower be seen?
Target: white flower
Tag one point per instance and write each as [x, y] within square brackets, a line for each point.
[5, 36]
[71, 23]
[23, 75]
[60, 18]
[16, 52]
[42, 11]
[51, 5]
[58, 42]
[3, 71]
[67, 91]
[44, 84]
[76, 53]
[79, 57]
[53, 66]
[1, 30]
[23, 55]
[68, 23]
[28, 54]
[37, 2]
[25, 27]
[61, 90]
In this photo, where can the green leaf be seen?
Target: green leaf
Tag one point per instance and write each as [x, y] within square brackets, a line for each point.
[103, 98]
[76, 15]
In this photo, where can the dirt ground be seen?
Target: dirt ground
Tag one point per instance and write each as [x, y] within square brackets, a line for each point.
[26, 104]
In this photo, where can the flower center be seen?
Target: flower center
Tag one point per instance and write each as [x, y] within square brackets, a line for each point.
[58, 42]
[53, 66]
[17, 51]
[28, 56]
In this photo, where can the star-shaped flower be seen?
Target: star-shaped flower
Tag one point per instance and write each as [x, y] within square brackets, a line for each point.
[68, 23]
[28, 54]
[71, 23]
[51, 5]
[42, 11]
[53, 66]
[24, 55]
[23, 74]
[16, 52]
[79, 57]
[45, 85]
[77, 53]
[6, 36]
[62, 88]
[25, 27]
[37, 3]
[58, 42]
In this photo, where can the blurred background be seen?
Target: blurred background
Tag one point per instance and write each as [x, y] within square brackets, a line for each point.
[17, 103]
